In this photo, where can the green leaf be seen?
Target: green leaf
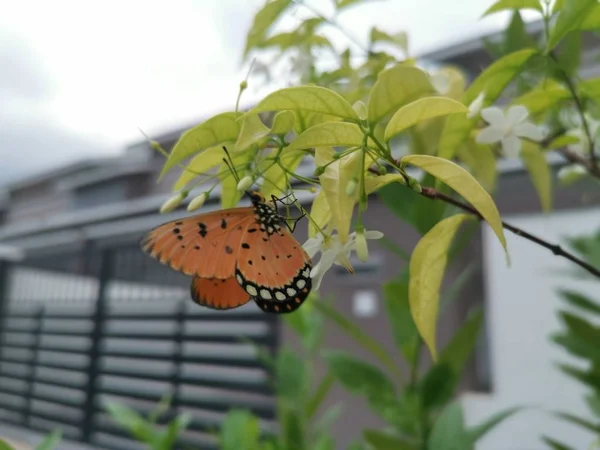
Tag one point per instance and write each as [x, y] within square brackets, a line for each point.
[477, 432]
[516, 36]
[383, 441]
[252, 131]
[404, 331]
[320, 213]
[174, 430]
[503, 5]
[375, 183]
[137, 426]
[496, 77]
[396, 87]
[239, 431]
[307, 98]
[562, 141]
[401, 201]
[427, 266]
[556, 445]
[593, 402]
[263, 20]
[583, 423]
[481, 160]
[336, 134]
[448, 432]
[580, 301]
[50, 441]
[291, 376]
[590, 88]
[460, 347]
[570, 18]
[283, 122]
[352, 330]
[275, 177]
[420, 110]
[539, 172]
[591, 20]
[568, 54]
[217, 130]
[452, 293]
[5, 446]
[362, 378]
[315, 402]
[543, 97]
[399, 39]
[437, 386]
[589, 378]
[465, 184]
[201, 163]
[455, 132]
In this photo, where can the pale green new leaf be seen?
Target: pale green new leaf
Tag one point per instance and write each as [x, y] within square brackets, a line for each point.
[539, 172]
[263, 20]
[456, 132]
[5, 446]
[239, 431]
[374, 183]
[396, 87]
[399, 39]
[570, 18]
[283, 122]
[329, 134]
[230, 196]
[562, 141]
[427, 266]
[308, 98]
[379, 440]
[477, 432]
[217, 130]
[543, 97]
[481, 160]
[592, 20]
[51, 441]
[420, 110]
[320, 214]
[503, 5]
[448, 432]
[251, 132]
[275, 177]
[465, 184]
[590, 88]
[201, 163]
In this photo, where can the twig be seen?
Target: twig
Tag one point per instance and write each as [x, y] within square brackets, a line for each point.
[556, 249]
[575, 158]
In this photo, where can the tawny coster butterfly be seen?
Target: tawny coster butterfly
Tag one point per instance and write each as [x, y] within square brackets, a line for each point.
[236, 255]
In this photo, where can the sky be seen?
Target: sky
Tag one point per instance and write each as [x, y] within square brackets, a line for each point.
[79, 79]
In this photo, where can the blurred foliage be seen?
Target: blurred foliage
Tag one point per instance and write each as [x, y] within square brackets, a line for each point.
[50, 442]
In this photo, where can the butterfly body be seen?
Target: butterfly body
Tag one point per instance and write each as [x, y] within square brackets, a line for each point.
[236, 255]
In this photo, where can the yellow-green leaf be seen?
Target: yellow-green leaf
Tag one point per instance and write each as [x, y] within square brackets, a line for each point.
[275, 176]
[374, 183]
[419, 110]
[590, 88]
[263, 20]
[308, 98]
[396, 87]
[465, 184]
[539, 171]
[481, 160]
[230, 196]
[456, 131]
[496, 77]
[562, 141]
[283, 122]
[216, 130]
[307, 119]
[319, 213]
[543, 97]
[209, 158]
[334, 182]
[252, 131]
[592, 20]
[503, 5]
[426, 268]
[337, 134]
[570, 18]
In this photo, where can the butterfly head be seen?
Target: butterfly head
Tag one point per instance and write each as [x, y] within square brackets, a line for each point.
[256, 197]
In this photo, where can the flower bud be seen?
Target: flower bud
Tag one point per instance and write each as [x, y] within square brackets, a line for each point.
[173, 202]
[362, 251]
[243, 85]
[197, 202]
[351, 187]
[245, 183]
[320, 171]
[155, 145]
[414, 184]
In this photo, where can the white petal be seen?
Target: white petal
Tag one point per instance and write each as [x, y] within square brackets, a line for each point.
[324, 263]
[312, 246]
[516, 114]
[529, 130]
[490, 135]
[373, 234]
[476, 105]
[494, 116]
[511, 146]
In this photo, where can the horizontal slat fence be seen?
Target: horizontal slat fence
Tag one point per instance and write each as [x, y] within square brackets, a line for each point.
[111, 324]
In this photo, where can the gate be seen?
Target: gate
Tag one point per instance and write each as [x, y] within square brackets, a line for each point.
[79, 328]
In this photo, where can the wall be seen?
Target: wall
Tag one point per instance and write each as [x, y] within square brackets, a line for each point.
[522, 306]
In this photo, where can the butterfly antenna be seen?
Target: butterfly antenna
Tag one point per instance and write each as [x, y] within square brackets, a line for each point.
[229, 162]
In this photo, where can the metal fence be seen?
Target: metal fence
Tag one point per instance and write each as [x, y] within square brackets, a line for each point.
[82, 327]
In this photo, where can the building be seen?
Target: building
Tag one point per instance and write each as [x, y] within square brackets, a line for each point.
[84, 289]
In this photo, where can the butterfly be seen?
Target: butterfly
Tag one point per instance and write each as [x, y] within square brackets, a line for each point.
[235, 255]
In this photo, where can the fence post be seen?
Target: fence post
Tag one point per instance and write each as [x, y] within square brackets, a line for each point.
[30, 378]
[98, 318]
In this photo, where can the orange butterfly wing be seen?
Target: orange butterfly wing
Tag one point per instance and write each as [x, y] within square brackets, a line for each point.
[274, 269]
[205, 245]
[216, 293]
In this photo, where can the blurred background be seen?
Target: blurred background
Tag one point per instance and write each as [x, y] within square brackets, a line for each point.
[86, 316]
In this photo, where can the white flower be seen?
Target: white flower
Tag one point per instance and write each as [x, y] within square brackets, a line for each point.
[582, 147]
[476, 105]
[334, 252]
[508, 129]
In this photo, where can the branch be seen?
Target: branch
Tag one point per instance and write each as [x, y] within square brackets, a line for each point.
[575, 158]
[556, 249]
